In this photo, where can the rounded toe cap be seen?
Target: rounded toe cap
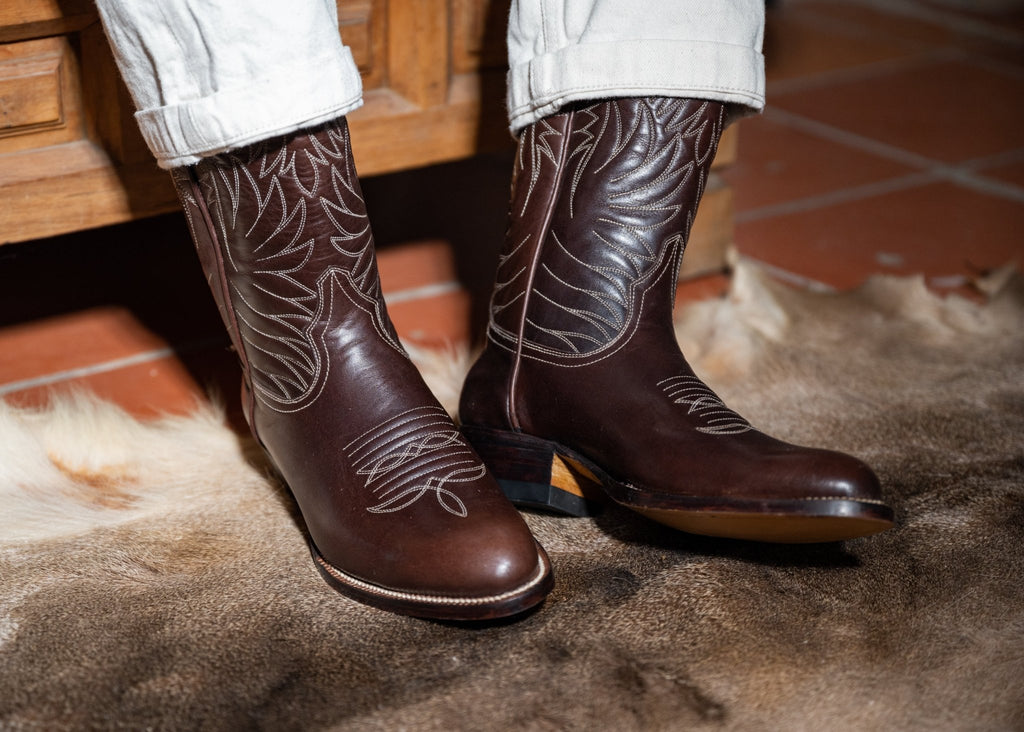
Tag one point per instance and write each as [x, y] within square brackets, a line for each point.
[832, 474]
[492, 560]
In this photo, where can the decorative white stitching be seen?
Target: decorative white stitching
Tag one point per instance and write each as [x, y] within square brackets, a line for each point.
[432, 599]
[704, 404]
[292, 333]
[597, 318]
[413, 454]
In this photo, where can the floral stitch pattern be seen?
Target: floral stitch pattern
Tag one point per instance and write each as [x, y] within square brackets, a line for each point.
[704, 404]
[611, 239]
[308, 251]
[412, 455]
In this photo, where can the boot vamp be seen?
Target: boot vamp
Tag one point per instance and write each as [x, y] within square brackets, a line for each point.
[645, 419]
[390, 491]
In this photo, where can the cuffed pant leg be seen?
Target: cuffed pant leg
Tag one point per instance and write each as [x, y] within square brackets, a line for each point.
[212, 75]
[562, 51]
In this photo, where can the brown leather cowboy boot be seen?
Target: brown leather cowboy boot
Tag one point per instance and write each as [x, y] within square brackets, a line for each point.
[401, 512]
[582, 376]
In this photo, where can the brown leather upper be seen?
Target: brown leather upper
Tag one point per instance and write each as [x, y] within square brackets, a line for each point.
[581, 348]
[389, 490]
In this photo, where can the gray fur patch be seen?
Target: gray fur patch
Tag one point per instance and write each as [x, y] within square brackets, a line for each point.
[152, 576]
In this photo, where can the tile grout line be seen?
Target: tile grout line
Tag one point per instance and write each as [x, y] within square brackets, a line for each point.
[983, 184]
[863, 72]
[422, 292]
[844, 195]
[949, 20]
[959, 173]
[401, 296]
[793, 278]
[106, 366]
[82, 371]
[1008, 157]
[849, 139]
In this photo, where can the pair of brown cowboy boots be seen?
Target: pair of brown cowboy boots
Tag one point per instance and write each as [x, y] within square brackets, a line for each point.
[581, 369]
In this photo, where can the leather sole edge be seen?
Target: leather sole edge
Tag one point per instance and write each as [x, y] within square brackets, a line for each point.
[522, 465]
[441, 607]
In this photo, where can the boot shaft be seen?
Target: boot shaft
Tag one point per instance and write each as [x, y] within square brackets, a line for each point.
[602, 203]
[282, 232]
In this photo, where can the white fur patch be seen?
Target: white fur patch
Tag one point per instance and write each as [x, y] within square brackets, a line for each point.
[82, 463]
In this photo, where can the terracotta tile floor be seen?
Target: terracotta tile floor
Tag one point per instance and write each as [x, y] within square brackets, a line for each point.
[893, 142]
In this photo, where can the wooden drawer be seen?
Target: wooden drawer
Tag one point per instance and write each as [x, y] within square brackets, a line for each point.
[39, 102]
[363, 27]
[478, 35]
[24, 19]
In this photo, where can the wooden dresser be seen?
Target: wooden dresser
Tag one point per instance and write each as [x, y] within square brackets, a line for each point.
[72, 158]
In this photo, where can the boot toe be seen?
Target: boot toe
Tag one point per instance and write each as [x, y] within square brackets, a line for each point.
[827, 474]
[508, 561]
[465, 573]
[472, 561]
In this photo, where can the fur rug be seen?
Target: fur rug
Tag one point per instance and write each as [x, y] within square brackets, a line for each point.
[152, 575]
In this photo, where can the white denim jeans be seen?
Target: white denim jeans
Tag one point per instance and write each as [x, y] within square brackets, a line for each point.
[211, 75]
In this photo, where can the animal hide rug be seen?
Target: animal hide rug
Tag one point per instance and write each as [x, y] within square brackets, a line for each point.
[153, 574]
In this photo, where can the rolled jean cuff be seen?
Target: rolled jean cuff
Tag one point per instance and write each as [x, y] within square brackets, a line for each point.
[289, 100]
[695, 69]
